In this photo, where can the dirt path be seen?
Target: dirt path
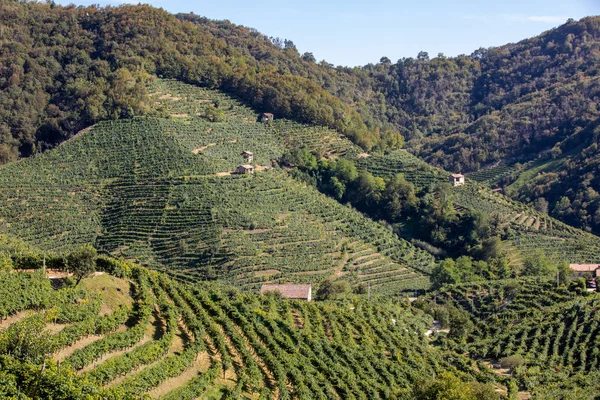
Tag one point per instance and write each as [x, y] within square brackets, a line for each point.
[14, 318]
[80, 344]
[337, 272]
[201, 365]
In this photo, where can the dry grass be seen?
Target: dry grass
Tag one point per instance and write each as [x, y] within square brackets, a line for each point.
[114, 291]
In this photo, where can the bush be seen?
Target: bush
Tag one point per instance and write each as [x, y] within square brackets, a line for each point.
[512, 362]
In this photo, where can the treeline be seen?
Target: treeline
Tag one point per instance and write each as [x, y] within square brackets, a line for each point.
[512, 101]
[64, 68]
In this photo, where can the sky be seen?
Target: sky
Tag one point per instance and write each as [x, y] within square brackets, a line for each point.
[352, 32]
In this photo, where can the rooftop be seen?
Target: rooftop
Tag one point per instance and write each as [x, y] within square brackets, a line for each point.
[291, 291]
[584, 267]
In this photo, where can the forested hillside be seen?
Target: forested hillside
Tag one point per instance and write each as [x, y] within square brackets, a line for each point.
[65, 68]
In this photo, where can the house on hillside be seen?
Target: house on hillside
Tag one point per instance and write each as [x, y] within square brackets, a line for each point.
[245, 169]
[581, 269]
[267, 117]
[457, 179]
[290, 291]
[248, 155]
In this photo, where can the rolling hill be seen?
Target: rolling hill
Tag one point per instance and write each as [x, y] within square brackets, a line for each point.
[160, 191]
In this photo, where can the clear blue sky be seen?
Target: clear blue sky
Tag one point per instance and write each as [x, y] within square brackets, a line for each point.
[356, 32]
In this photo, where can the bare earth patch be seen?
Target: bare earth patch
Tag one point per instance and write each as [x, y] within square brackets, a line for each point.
[80, 344]
[14, 318]
[202, 148]
[169, 96]
[266, 273]
[363, 155]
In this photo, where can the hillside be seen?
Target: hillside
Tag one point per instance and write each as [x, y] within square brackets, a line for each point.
[522, 226]
[549, 333]
[170, 341]
[496, 106]
[160, 191]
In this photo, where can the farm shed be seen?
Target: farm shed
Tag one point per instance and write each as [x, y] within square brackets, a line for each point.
[290, 291]
[580, 269]
[267, 117]
[457, 179]
[248, 155]
[245, 169]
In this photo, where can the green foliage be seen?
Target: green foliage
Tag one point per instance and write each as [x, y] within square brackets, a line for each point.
[273, 345]
[330, 290]
[26, 340]
[82, 261]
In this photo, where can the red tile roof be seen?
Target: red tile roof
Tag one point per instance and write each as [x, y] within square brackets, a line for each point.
[584, 267]
[291, 291]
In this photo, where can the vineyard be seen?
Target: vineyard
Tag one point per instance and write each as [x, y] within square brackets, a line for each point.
[553, 330]
[160, 191]
[526, 229]
[166, 340]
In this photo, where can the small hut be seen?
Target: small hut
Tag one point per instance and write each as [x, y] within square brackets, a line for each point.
[245, 169]
[248, 155]
[457, 179]
[290, 291]
[267, 117]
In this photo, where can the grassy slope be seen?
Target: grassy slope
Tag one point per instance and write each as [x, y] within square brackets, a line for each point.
[158, 190]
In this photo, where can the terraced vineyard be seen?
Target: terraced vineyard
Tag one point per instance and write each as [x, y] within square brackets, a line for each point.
[166, 340]
[555, 331]
[528, 229]
[493, 175]
[160, 191]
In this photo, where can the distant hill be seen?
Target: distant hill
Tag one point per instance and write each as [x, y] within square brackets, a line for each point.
[523, 227]
[502, 107]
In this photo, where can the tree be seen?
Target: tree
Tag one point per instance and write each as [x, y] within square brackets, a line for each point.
[538, 264]
[541, 205]
[565, 275]
[214, 114]
[82, 262]
[329, 289]
[345, 170]
[399, 196]
[445, 273]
